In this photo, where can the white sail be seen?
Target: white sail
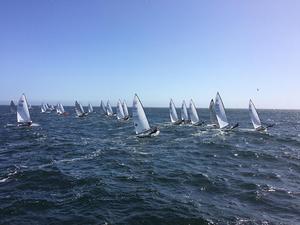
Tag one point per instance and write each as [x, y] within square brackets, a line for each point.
[125, 109]
[23, 115]
[12, 107]
[173, 112]
[62, 110]
[220, 112]
[43, 108]
[109, 110]
[193, 113]
[139, 117]
[58, 109]
[78, 109]
[212, 113]
[184, 113]
[120, 111]
[254, 116]
[90, 108]
[103, 108]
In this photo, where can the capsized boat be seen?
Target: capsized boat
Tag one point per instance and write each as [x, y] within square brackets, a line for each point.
[173, 113]
[140, 121]
[23, 115]
[79, 110]
[221, 115]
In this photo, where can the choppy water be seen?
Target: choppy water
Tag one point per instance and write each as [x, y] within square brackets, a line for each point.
[94, 170]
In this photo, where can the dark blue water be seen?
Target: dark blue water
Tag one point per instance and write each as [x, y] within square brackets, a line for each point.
[94, 170]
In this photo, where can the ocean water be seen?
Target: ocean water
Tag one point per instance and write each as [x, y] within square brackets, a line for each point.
[93, 170]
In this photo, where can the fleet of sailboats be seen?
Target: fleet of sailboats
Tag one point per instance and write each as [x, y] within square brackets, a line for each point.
[217, 113]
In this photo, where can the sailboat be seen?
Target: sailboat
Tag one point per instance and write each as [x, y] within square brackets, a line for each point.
[255, 118]
[120, 111]
[184, 113]
[103, 108]
[109, 110]
[43, 108]
[79, 110]
[23, 116]
[12, 107]
[125, 110]
[60, 110]
[141, 125]
[193, 114]
[173, 113]
[221, 115]
[212, 115]
[90, 108]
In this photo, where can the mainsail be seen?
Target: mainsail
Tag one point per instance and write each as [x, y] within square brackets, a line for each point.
[12, 107]
[193, 113]
[90, 108]
[103, 108]
[109, 110]
[173, 112]
[120, 111]
[23, 115]
[254, 116]
[125, 109]
[139, 117]
[78, 109]
[212, 113]
[184, 113]
[220, 112]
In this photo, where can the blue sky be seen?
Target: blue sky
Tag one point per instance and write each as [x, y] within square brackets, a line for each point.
[109, 49]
